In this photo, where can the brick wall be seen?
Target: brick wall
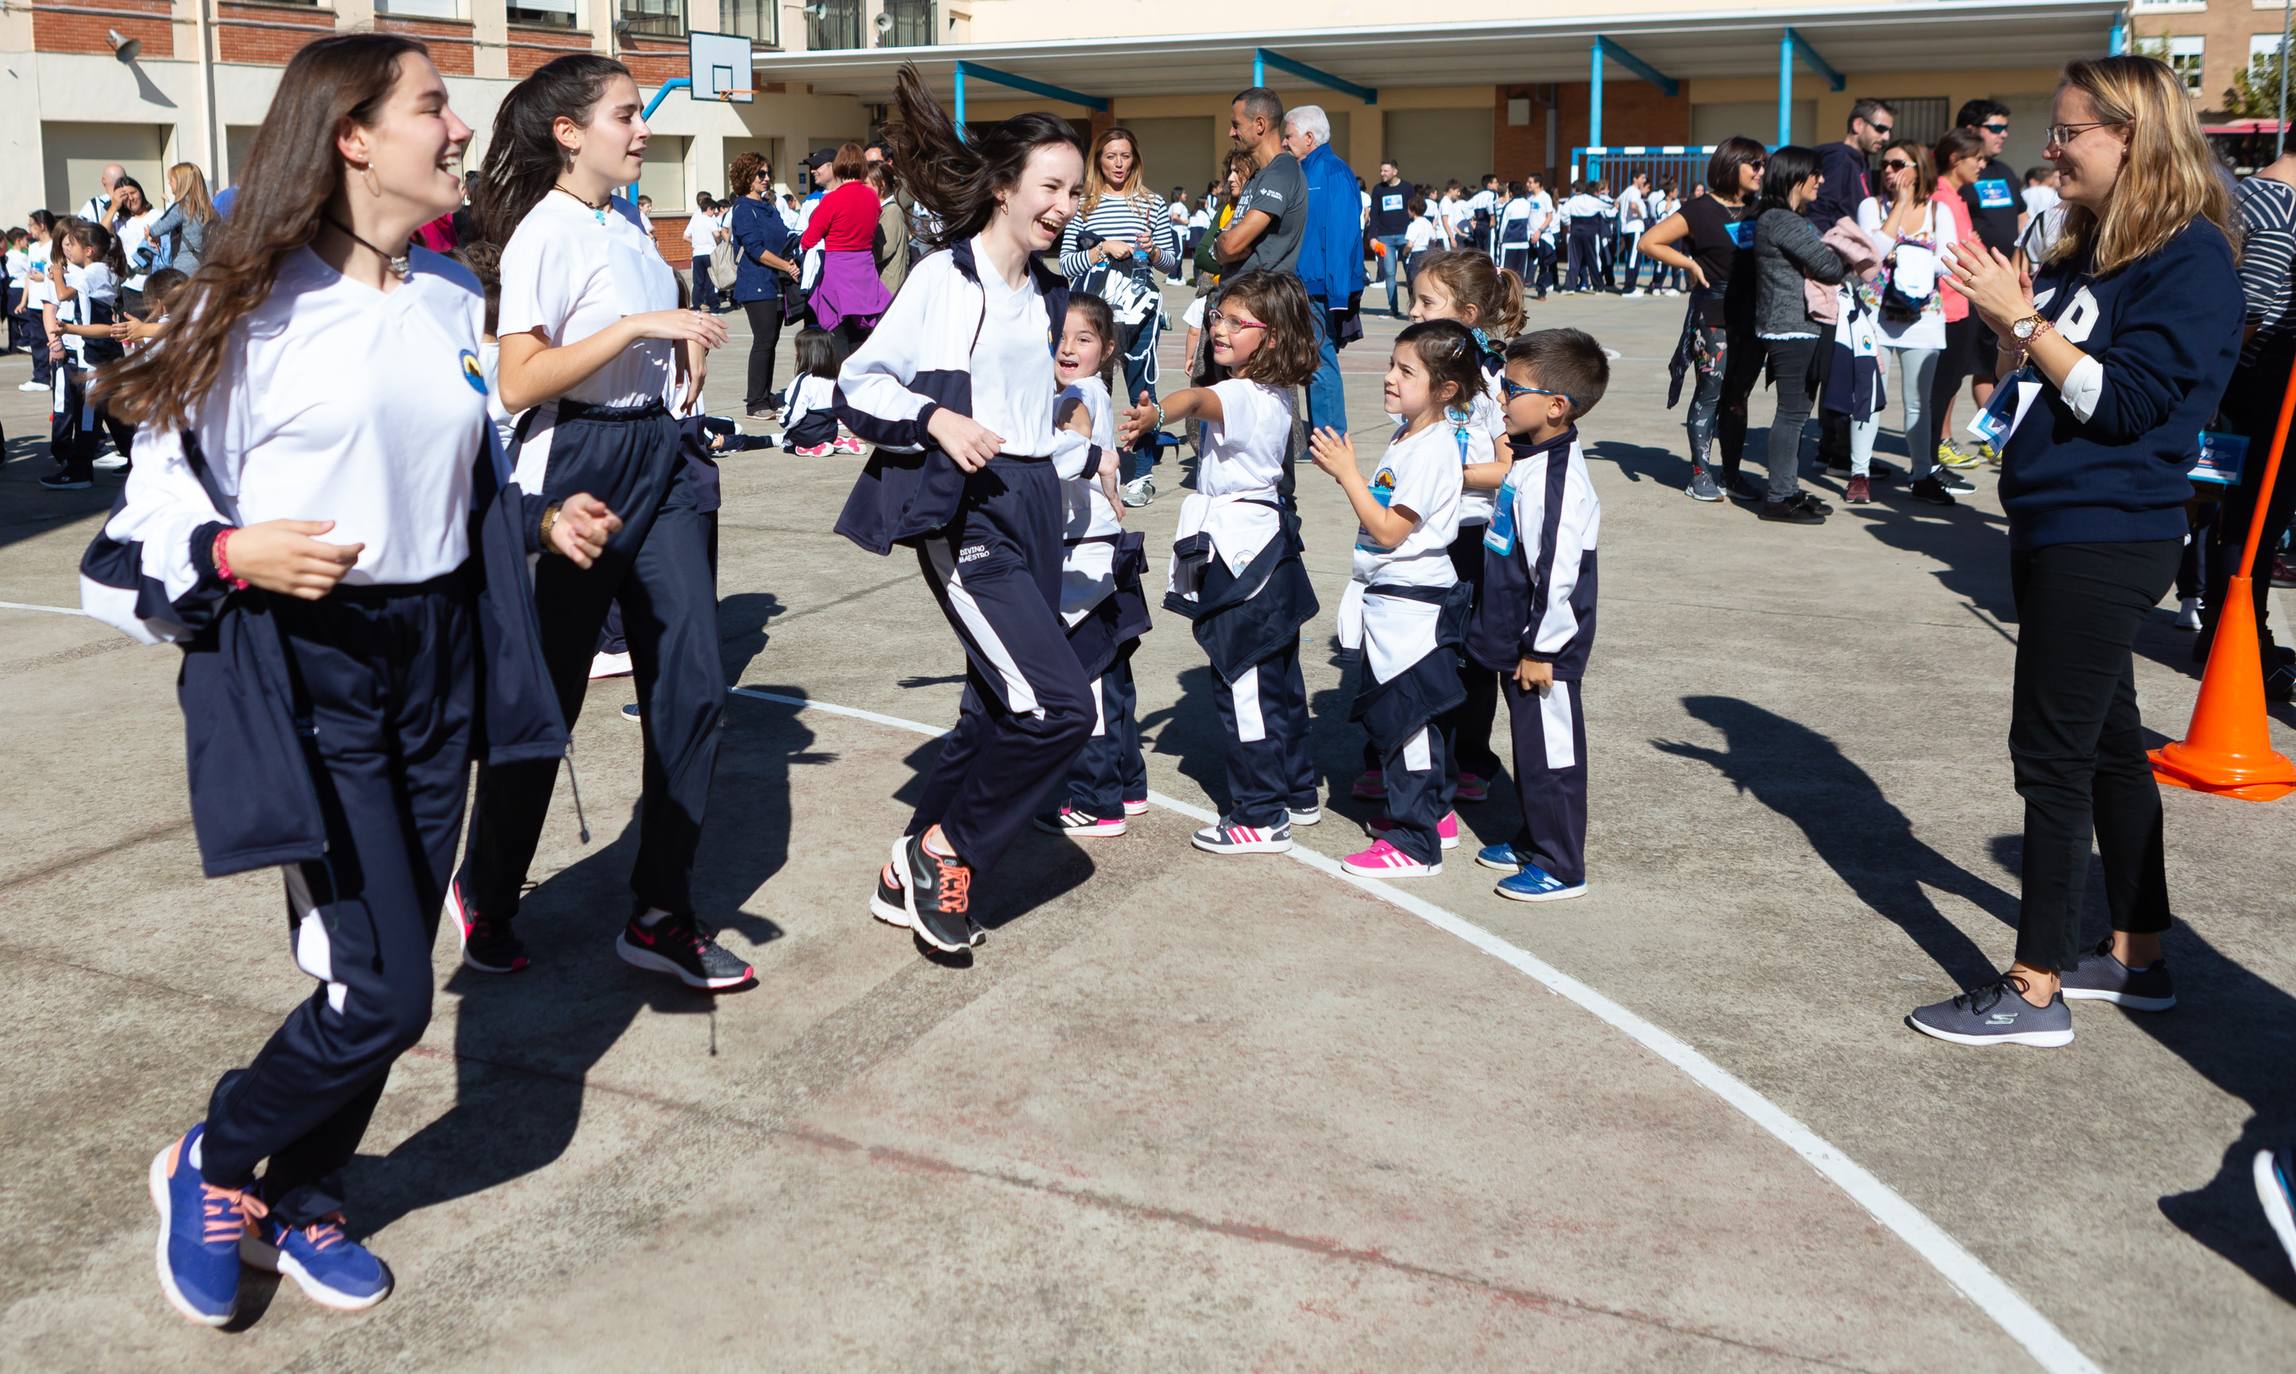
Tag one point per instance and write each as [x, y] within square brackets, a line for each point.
[670, 238]
[1633, 112]
[267, 34]
[453, 44]
[531, 47]
[84, 33]
[653, 61]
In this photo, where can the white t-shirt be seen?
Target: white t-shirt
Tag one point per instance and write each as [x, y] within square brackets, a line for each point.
[1013, 384]
[1244, 448]
[1487, 438]
[2040, 200]
[1417, 235]
[1419, 474]
[1194, 318]
[1482, 202]
[1633, 209]
[702, 232]
[1089, 514]
[1926, 330]
[340, 403]
[19, 262]
[570, 272]
[1458, 217]
[505, 423]
[1542, 213]
[1584, 206]
[133, 234]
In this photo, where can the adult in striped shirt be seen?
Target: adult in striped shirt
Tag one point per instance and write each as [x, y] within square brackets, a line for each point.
[1114, 248]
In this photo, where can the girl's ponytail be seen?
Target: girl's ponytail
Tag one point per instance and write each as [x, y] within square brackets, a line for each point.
[1471, 279]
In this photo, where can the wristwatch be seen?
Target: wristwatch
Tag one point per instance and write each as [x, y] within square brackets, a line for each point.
[2029, 328]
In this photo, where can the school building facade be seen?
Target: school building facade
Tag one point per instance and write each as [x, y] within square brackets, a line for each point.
[147, 83]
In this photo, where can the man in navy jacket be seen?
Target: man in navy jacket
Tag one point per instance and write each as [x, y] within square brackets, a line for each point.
[1330, 255]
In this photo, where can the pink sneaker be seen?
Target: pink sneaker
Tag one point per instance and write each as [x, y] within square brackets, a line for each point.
[846, 443]
[1372, 786]
[814, 450]
[1384, 860]
[1446, 830]
[1135, 806]
[1473, 787]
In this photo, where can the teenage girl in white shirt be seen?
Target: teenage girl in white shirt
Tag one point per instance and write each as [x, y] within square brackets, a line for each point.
[314, 488]
[596, 354]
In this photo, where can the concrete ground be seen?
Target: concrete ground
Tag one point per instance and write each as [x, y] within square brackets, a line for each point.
[1183, 1112]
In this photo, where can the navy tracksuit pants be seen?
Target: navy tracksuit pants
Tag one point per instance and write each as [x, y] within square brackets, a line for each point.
[1110, 769]
[995, 571]
[1270, 772]
[388, 677]
[76, 429]
[1417, 773]
[1468, 727]
[657, 569]
[1550, 776]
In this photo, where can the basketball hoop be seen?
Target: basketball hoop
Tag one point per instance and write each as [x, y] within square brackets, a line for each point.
[722, 67]
[736, 95]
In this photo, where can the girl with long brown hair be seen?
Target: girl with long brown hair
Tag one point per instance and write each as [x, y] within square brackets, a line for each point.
[956, 390]
[596, 352]
[318, 516]
[1114, 248]
[2113, 357]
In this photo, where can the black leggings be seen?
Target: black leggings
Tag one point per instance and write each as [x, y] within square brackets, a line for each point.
[765, 336]
[2077, 743]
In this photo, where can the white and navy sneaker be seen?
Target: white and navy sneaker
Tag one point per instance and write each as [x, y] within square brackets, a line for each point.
[1532, 883]
[2099, 977]
[1082, 825]
[1310, 814]
[199, 1231]
[1228, 838]
[1996, 1014]
[687, 950]
[2276, 1191]
[332, 1269]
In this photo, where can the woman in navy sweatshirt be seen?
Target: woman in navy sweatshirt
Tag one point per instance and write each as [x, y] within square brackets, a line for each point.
[2114, 359]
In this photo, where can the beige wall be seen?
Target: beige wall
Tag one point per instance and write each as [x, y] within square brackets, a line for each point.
[1014, 21]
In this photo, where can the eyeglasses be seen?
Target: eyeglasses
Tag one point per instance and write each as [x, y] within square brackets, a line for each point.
[1882, 129]
[1219, 321]
[1513, 388]
[1896, 164]
[2061, 134]
[2000, 128]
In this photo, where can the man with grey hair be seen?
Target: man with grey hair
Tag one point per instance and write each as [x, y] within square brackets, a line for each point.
[1330, 263]
[99, 206]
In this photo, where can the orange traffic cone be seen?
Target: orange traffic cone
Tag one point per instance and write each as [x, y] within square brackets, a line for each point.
[2227, 750]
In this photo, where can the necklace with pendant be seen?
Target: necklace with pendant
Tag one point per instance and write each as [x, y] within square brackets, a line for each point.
[398, 261]
[597, 209]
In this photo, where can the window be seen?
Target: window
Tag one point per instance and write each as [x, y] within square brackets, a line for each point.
[912, 25]
[2262, 45]
[653, 18]
[421, 9]
[549, 14]
[833, 24]
[754, 19]
[2186, 53]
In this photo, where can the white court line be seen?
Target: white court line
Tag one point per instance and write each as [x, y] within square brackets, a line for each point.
[51, 610]
[2019, 1318]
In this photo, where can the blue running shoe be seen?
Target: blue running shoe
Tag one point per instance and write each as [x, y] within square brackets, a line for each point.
[1535, 884]
[1503, 857]
[199, 1232]
[333, 1269]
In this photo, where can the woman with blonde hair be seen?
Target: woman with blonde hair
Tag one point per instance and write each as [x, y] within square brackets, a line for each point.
[2112, 359]
[190, 218]
[1113, 249]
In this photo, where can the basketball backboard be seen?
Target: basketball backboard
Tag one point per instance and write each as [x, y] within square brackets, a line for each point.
[722, 68]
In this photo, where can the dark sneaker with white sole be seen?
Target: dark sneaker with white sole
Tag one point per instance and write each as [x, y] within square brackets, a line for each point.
[1996, 1014]
[685, 949]
[890, 904]
[937, 894]
[487, 946]
[2099, 977]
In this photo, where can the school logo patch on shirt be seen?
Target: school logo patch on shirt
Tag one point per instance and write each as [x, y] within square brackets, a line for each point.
[473, 373]
[1993, 194]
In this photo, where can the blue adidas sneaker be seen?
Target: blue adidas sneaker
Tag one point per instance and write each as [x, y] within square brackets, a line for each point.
[333, 1269]
[1535, 884]
[200, 1228]
[1503, 857]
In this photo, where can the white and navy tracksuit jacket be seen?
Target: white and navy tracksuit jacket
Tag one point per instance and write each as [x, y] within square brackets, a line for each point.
[1104, 609]
[988, 543]
[808, 416]
[1539, 603]
[333, 738]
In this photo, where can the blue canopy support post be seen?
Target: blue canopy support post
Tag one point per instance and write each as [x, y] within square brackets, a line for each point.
[1594, 110]
[960, 99]
[1263, 58]
[1094, 103]
[1790, 47]
[1653, 75]
[2118, 44]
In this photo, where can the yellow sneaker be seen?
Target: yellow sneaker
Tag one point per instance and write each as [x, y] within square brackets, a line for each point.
[1952, 457]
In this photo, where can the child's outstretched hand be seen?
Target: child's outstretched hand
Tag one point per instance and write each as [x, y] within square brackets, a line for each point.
[1333, 451]
[1138, 420]
[1531, 675]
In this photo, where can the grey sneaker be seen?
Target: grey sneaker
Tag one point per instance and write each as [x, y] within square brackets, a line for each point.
[1996, 1014]
[1703, 487]
[2099, 977]
[1138, 492]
